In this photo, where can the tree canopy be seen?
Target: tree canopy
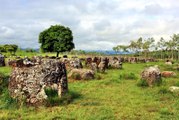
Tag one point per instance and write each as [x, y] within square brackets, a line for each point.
[162, 49]
[57, 38]
[11, 48]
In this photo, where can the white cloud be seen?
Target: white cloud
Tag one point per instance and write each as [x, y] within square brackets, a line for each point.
[6, 31]
[96, 24]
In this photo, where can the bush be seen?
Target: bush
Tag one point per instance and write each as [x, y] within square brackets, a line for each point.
[30, 50]
[128, 76]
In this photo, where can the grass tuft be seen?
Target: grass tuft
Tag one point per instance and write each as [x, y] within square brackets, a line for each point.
[142, 83]
[165, 111]
[163, 90]
[128, 76]
[8, 101]
[54, 100]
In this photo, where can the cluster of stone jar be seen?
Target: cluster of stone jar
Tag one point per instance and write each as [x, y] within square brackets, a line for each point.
[30, 77]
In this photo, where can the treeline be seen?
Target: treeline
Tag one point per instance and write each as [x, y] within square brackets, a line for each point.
[163, 49]
[10, 48]
[83, 52]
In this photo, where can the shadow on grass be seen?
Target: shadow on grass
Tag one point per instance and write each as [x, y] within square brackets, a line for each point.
[54, 100]
[90, 103]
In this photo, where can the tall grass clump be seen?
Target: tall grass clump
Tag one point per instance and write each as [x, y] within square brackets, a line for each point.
[3, 82]
[8, 101]
[54, 100]
[163, 90]
[5, 98]
[128, 76]
[98, 76]
[177, 84]
[142, 83]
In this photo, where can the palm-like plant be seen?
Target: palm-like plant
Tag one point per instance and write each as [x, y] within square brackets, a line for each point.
[175, 43]
[146, 45]
[161, 46]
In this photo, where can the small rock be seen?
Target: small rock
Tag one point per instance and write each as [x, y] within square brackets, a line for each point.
[168, 63]
[168, 74]
[174, 89]
[79, 74]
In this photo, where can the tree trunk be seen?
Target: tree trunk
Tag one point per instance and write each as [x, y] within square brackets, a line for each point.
[57, 54]
[172, 54]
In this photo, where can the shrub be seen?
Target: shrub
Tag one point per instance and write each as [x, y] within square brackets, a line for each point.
[30, 50]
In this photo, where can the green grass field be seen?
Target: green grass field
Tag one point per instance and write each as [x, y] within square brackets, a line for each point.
[114, 97]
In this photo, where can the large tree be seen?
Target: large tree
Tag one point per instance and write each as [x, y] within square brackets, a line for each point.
[57, 38]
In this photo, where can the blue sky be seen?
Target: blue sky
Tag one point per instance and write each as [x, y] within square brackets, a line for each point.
[96, 24]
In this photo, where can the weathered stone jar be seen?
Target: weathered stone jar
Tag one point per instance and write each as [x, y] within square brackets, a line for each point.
[2, 60]
[151, 75]
[30, 82]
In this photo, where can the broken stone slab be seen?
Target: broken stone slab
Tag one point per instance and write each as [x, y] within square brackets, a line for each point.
[168, 74]
[81, 74]
[174, 89]
[30, 82]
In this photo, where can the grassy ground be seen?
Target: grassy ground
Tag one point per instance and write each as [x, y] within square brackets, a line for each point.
[114, 97]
